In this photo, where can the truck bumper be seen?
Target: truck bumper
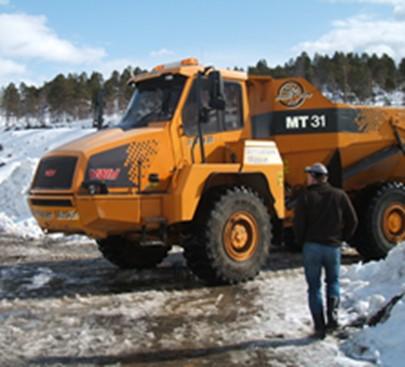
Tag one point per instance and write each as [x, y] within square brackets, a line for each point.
[97, 216]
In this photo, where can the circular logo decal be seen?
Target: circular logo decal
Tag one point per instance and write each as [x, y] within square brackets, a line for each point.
[292, 94]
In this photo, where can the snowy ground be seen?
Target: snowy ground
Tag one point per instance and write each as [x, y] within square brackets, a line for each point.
[61, 304]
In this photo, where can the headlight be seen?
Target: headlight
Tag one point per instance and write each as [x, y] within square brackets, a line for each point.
[95, 187]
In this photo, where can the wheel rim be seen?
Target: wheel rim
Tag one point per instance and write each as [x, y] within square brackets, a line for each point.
[394, 223]
[240, 236]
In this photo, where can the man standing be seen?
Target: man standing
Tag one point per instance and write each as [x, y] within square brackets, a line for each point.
[324, 218]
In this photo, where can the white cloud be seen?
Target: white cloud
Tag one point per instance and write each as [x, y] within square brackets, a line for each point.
[4, 2]
[10, 67]
[10, 70]
[163, 52]
[28, 36]
[358, 34]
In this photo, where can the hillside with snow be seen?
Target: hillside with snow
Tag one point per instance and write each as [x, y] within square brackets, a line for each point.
[380, 98]
[20, 152]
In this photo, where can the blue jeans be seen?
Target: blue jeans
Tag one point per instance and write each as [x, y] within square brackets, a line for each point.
[316, 257]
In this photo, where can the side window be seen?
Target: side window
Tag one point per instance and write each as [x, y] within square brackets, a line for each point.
[190, 113]
[230, 119]
[233, 118]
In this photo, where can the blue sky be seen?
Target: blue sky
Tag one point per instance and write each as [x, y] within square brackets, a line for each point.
[41, 38]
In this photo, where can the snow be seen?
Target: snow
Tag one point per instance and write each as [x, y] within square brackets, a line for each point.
[19, 157]
[380, 97]
[371, 285]
[43, 277]
[367, 288]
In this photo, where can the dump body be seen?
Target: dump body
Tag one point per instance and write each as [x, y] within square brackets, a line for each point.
[363, 148]
[360, 145]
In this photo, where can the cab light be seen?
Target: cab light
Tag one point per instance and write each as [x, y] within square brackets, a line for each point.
[191, 61]
[159, 68]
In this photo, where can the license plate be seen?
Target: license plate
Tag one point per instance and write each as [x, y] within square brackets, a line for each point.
[67, 215]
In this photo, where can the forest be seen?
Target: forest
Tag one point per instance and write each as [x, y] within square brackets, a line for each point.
[351, 77]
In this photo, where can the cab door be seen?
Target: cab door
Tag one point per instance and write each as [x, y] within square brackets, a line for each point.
[221, 127]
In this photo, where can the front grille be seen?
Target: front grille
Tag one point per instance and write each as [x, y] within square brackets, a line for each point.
[55, 173]
[45, 202]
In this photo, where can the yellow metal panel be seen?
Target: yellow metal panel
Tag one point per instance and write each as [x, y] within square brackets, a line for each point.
[181, 204]
[151, 207]
[118, 208]
[275, 178]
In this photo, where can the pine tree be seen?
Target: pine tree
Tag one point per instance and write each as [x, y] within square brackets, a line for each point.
[111, 93]
[401, 70]
[11, 103]
[303, 67]
[30, 96]
[390, 73]
[341, 71]
[94, 87]
[71, 98]
[383, 71]
[261, 68]
[359, 77]
[58, 94]
[126, 90]
[82, 96]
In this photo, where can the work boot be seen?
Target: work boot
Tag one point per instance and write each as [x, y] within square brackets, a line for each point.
[319, 326]
[332, 313]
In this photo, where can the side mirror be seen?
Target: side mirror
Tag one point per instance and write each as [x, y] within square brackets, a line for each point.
[216, 90]
[99, 110]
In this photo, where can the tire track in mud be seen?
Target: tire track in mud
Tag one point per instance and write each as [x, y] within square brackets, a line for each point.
[61, 304]
[217, 329]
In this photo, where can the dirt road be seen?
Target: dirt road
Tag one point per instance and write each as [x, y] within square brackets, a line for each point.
[61, 304]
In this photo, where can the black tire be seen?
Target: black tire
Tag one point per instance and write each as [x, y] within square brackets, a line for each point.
[130, 255]
[373, 239]
[207, 250]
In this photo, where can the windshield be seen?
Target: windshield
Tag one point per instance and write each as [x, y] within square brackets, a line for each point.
[153, 100]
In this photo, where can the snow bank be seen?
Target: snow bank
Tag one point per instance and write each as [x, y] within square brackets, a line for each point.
[20, 152]
[367, 288]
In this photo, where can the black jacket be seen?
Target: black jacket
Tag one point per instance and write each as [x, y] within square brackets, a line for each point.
[325, 215]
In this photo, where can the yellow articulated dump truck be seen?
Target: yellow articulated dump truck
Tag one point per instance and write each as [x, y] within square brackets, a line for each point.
[211, 160]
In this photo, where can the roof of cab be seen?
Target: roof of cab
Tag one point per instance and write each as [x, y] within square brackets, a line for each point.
[187, 67]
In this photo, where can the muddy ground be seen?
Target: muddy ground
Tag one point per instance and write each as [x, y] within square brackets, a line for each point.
[62, 304]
